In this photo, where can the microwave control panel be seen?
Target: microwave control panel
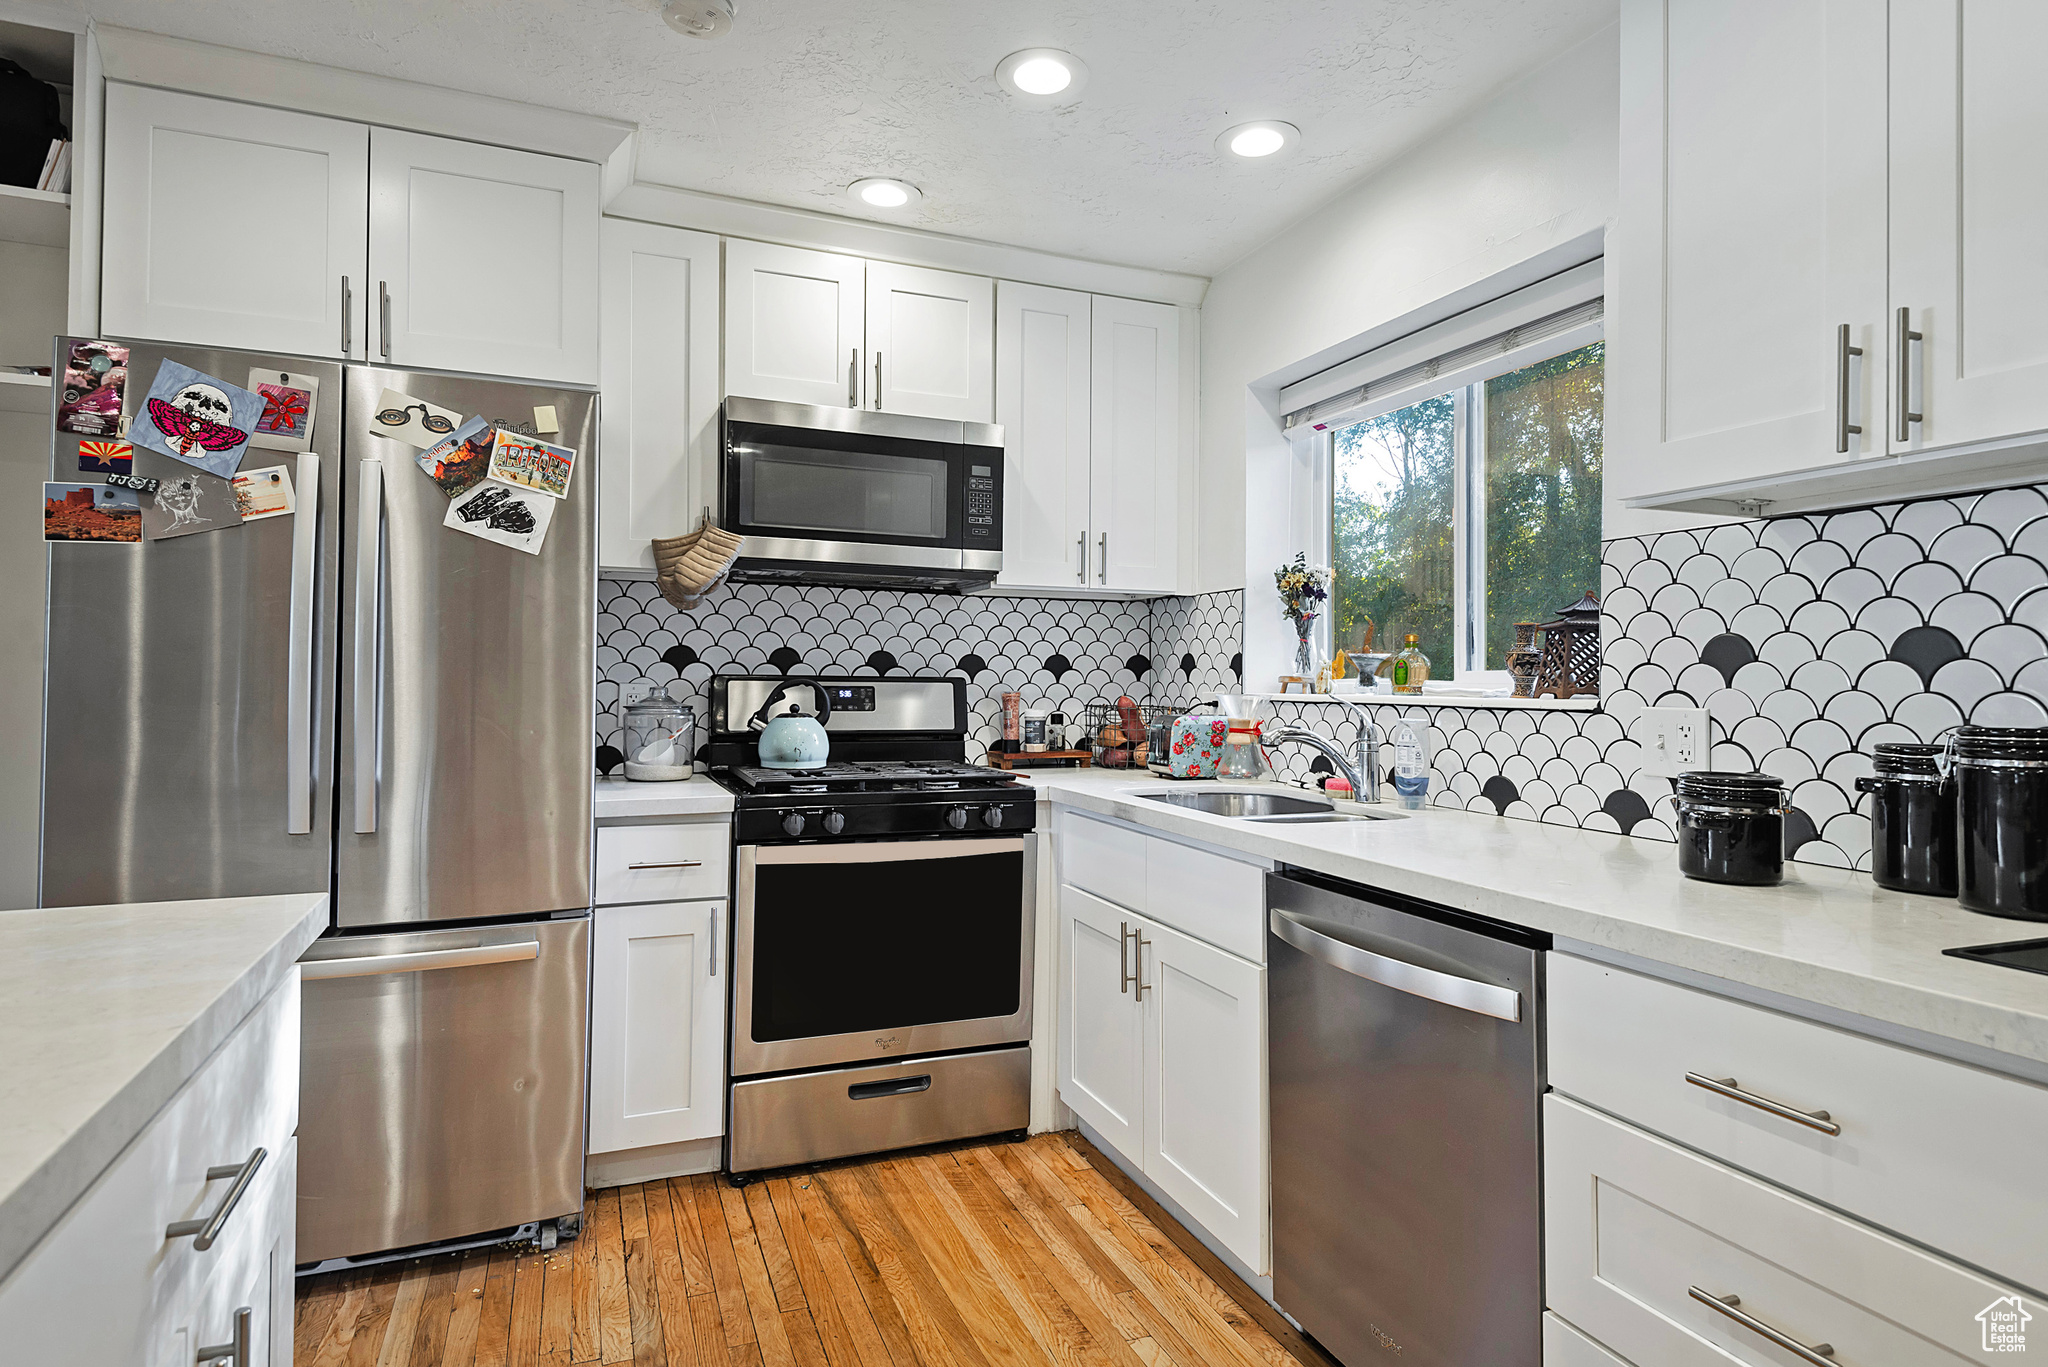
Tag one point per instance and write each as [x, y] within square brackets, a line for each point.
[984, 504]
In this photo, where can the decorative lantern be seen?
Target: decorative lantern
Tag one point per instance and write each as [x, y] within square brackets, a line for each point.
[1523, 657]
[1570, 664]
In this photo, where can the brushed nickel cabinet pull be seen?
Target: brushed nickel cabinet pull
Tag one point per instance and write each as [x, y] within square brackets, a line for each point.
[348, 303]
[384, 318]
[878, 381]
[1102, 574]
[1725, 1086]
[853, 379]
[1139, 976]
[1081, 551]
[235, 1351]
[1818, 1354]
[677, 864]
[1123, 956]
[1843, 427]
[206, 1229]
[1905, 349]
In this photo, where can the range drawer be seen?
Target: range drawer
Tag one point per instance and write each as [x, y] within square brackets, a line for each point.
[1943, 1153]
[1672, 1259]
[669, 863]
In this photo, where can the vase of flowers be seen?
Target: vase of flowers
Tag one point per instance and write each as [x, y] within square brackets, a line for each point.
[1304, 588]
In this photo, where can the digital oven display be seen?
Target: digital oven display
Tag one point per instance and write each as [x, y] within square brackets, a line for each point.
[851, 697]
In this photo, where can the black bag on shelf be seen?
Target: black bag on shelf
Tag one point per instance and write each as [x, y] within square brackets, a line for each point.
[29, 122]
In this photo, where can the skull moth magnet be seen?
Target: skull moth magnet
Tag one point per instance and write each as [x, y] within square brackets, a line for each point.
[197, 418]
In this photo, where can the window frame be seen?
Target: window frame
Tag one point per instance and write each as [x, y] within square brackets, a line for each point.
[1468, 497]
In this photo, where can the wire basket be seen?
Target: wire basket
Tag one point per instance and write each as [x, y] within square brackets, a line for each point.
[1110, 744]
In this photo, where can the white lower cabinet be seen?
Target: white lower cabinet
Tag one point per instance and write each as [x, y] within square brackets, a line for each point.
[1565, 1346]
[657, 1024]
[1162, 1052]
[1672, 1259]
[109, 1284]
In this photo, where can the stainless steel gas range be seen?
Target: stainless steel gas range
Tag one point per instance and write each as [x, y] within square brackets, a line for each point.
[883, 926]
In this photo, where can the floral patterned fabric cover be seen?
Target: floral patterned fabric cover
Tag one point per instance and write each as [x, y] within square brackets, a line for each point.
[1197, 745]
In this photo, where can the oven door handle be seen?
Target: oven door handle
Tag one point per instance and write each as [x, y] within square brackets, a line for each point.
[885, 851]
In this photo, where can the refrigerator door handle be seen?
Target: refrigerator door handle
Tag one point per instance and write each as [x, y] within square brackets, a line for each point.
[298, 707]
[369, 595]
[418, 961]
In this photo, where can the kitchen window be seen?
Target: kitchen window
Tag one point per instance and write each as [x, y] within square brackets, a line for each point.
[1463, 482]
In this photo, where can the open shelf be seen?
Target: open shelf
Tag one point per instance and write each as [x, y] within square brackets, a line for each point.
[34, 216]
[24, 393]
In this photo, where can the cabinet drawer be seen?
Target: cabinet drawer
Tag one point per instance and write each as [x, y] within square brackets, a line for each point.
[1636, 1224]
[112, 1241]
[1943, 1153]
[1102, 858]
[1209, 896]
[1564, 1346]
[662, 863]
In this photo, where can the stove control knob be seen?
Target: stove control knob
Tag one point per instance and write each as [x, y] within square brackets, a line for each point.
[793, 823]
[957, 818]
[992, 818]
[835, 822]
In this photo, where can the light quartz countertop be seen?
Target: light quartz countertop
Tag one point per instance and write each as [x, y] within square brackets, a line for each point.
[1824, 936]
[107, 1011]
[622, 799]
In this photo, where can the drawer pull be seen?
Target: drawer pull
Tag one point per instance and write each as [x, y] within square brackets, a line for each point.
[1819, 1354]
[1725, 1086]
[236, 1352]
[678, 864]
[206, 1229]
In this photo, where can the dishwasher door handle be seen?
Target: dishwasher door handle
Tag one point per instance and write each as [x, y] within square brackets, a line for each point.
[1466, 994]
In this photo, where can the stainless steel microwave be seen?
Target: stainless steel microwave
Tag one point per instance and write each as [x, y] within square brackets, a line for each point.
[851, 496]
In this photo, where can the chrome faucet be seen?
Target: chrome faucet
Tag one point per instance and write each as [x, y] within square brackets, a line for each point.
[1361, 767]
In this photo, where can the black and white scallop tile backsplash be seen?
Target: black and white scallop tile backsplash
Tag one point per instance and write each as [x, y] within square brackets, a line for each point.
[1808, 640]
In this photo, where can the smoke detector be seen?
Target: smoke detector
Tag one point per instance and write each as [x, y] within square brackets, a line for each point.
[699, 18]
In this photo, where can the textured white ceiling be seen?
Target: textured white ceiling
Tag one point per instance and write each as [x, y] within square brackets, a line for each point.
[805, 96]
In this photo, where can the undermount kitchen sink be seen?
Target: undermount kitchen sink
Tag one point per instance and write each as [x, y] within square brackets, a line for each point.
[1274, 807]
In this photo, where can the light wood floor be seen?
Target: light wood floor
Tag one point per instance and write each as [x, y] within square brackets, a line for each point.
[1004, 1255]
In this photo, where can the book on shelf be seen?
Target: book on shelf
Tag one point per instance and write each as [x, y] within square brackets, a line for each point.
[56, 174]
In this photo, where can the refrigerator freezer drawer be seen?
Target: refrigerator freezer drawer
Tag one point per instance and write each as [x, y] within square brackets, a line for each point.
[442, 1091]
[808, 1117]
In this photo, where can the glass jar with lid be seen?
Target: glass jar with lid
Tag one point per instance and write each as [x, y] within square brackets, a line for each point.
[1731, 827]
[661, 738]
[2001, 780]
[1912, 820]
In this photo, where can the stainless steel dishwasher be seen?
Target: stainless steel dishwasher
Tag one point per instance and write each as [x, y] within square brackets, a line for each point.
[1406, 1062]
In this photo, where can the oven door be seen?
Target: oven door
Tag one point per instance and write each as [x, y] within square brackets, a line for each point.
[857, 952]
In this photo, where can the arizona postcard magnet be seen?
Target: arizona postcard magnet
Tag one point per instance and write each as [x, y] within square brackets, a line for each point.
[197, 418]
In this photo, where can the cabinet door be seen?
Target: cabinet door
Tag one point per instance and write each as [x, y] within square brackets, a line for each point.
[250, 1268]
[930, 343]
[1753, 194]
[793, 324]
[1134, 445]
[483, 259]
[1042, 373]
[1205, 1086]
[1101, 1067]
[657, 1025]
[1969, 115]
[660, 412]
[227, 225]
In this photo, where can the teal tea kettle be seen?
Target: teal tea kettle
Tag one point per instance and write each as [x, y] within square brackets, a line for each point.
[793, 740]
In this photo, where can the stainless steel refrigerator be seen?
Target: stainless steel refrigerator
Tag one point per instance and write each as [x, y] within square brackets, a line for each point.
[356, 699]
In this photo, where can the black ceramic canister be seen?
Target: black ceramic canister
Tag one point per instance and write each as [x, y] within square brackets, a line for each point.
[1912, 820]
[1731, 827]
[2001, 782]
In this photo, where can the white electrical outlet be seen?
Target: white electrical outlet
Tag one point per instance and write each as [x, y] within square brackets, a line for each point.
[1673, 739]
[636, 691]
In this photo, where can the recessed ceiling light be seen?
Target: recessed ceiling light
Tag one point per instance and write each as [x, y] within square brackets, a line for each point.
[881, 192]
[1044, 74]
[1260, 141]
[698, 18]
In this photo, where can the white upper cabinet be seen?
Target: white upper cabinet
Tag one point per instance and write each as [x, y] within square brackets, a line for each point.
[657, 1027]
[930, 343]
[794, 324]
[231, 225]
[660, 390]
[483, 259]
[234, 225]
[1969, 118]
[1753, 185]
[1042, 378]
[1135, 447]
